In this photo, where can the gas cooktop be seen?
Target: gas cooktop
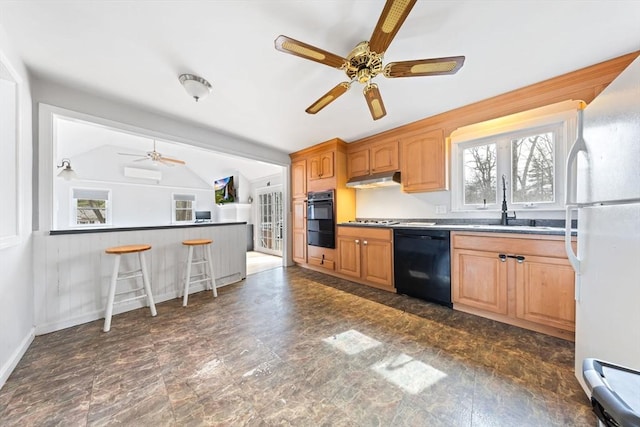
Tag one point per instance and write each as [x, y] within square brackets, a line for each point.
[374, 222]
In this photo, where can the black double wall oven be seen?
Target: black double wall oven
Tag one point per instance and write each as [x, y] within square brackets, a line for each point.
[320, 219]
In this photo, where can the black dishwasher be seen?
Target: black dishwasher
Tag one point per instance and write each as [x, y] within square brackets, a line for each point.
[422, 264]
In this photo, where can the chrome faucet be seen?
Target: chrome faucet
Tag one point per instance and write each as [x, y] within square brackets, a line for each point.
[504, 219]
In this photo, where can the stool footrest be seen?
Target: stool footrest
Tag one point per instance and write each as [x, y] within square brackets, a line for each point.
[130, 291]
[129, 274]
[130, 299]
[199, 261]
[206, 279]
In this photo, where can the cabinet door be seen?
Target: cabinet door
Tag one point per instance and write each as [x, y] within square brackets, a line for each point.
[358, 163]
[348, 256]
[321, 166]
[479, 280]
[424, 162]
[545, 292]
[299, 253]
[299, 179]
[377, 262]
[384, 157]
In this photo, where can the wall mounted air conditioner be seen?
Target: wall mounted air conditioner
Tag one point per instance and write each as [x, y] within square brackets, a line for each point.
[142, 173]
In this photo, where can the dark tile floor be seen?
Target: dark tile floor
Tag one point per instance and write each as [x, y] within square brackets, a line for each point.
[294, 347]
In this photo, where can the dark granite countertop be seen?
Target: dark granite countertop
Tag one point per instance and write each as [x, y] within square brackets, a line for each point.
[548, 227]
[151, 227]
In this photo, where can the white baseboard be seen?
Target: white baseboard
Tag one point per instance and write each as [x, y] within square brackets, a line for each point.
[7, 368]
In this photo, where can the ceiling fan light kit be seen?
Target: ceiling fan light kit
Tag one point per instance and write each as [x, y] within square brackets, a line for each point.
[365, 61]
[196, 86]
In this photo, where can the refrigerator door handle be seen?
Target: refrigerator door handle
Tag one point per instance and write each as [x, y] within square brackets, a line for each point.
[573, 257]
[578, 146]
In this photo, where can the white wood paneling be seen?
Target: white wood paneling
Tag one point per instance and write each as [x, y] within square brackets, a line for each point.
[73, 271]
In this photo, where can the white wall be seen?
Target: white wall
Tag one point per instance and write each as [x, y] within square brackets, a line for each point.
[391, 202]
[16, 262]
[112, 112]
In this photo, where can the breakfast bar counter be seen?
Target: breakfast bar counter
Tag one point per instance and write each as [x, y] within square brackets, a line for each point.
[72, 278]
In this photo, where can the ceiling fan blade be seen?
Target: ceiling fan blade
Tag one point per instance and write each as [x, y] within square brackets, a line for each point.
[169, 159]
[131, 154]
[391, 19]
[424, 67]
[142, 160]
[303, 50]
[374, 101]
[328, 97]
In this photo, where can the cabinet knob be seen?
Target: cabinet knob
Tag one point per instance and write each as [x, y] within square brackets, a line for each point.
[357, 242]
[503, 257]
[364, 243]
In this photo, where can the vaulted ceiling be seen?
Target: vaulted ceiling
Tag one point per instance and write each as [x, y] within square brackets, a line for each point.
[133, 51]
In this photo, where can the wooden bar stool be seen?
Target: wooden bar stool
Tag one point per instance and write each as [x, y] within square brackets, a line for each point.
[118, 251]
[205, 261]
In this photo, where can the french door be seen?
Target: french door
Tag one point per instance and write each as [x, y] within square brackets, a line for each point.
[270, 222]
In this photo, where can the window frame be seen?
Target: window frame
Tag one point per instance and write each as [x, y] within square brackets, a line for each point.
[502, 131]
[178, 197]
[73, 220]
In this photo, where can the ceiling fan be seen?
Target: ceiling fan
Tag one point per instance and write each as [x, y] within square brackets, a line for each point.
[154, 156]
[364, 62]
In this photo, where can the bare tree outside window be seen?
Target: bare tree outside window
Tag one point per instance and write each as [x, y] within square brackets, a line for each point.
[532, 168]
[184, 210]
[91, 211]
[480, 174]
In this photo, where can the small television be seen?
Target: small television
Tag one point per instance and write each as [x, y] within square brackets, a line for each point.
[224, 190]
[202, 216]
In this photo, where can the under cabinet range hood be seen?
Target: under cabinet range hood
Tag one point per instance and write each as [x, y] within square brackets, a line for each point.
[376, 180]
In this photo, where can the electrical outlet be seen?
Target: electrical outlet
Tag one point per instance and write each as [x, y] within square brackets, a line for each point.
[441, 209]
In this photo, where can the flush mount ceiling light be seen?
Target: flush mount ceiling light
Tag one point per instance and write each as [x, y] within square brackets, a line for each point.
[196, 86]
[65, 171]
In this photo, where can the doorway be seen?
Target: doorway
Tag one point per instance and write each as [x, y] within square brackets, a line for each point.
[270, 221]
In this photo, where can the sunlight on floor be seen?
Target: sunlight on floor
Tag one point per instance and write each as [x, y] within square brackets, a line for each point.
[404, 371]
[258, 261]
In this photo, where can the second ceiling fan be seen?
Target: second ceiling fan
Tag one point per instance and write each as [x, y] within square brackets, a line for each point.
[364, 62]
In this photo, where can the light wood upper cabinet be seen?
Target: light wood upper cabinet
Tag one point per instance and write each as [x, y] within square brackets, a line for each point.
[424, 162]
[321, 166]
[385, 157]
[358, 163]
[366, 254]
[524, 281]
[373, 158]
[299, 179]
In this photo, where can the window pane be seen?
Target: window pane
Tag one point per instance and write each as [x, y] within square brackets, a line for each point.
[532, 168]
[183, 204]
[479, 174]
[91, 211]
[184, 214]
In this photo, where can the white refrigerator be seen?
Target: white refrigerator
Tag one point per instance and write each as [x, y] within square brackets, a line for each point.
[603, 186]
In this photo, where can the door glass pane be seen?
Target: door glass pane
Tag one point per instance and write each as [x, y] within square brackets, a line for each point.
[532, 164]
[479, 174]
[271, 221]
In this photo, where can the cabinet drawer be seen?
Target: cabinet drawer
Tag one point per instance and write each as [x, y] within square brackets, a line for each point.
[541, 245]
[365, 232]
[319, 262]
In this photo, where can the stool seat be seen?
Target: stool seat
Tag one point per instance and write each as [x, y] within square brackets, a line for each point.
[197, 242]
[207, 274]
[127, 249]
[117, 276]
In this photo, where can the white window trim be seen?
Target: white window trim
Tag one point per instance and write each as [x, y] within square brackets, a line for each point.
[74, 207]
[191, 197]
[562, 117]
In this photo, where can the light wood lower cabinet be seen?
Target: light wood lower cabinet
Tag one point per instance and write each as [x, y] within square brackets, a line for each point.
[299, 220]
[321, 257]
[366, 255]
[524, 280]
